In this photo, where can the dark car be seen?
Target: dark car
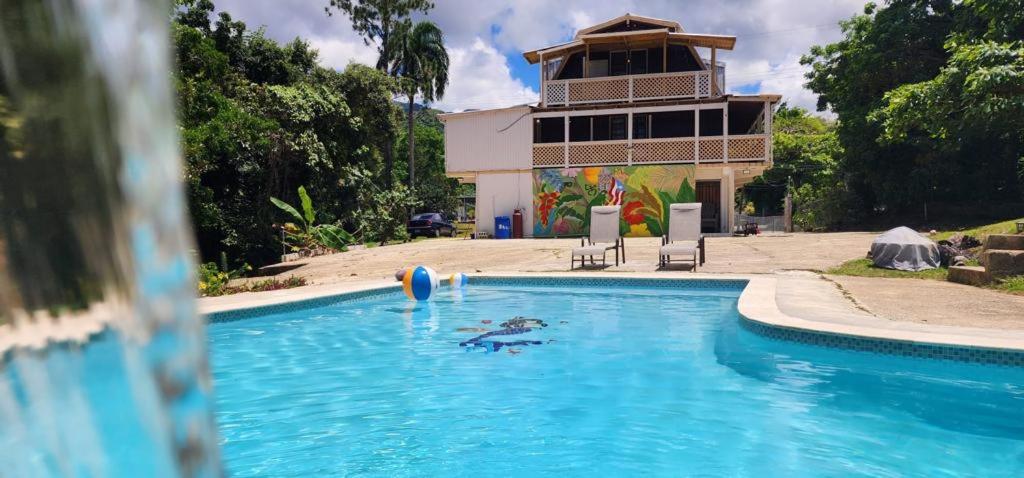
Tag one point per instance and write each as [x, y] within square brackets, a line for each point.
[430, 224]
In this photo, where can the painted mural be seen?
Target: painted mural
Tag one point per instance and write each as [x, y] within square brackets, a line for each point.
[562, 198]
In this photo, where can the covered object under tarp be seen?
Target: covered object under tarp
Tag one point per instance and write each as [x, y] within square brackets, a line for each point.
[904, 249]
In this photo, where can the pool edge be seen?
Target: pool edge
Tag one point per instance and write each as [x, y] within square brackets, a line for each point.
[760, 314]
[757, 307]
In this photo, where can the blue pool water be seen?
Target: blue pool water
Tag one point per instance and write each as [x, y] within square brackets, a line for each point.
[626, 381]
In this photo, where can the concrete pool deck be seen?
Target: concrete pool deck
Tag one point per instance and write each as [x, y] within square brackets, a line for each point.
[902, 309]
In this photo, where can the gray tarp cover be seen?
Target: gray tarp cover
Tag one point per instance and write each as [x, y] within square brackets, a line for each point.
[904, 249]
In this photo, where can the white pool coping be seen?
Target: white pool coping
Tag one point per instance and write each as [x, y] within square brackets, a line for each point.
[757, 303]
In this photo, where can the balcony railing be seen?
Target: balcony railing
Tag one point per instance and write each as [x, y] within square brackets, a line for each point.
[608, 89]
[710, 149]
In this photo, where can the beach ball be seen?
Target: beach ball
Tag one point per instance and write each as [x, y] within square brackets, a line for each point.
[459, 280]
[419, 282]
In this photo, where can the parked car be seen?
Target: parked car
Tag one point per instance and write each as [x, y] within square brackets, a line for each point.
[430, 224]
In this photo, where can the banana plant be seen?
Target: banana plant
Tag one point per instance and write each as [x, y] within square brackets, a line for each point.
[306, 234]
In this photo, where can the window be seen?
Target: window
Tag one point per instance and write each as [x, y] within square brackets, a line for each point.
[598, 64]
[640, 126]
[549, 130]
[680, 58]
[655, 58]
[573, 67]
[579, 128]
[711, 122]
[600, 131]
[597, 128]
[617, 126]
[672, 124]
[618, 63]
[746, 117]
[637, 62]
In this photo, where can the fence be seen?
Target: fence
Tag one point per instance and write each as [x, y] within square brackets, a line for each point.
[765, 223]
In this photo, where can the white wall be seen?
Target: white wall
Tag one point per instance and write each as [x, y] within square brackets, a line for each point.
[499, 194]
[491, 140]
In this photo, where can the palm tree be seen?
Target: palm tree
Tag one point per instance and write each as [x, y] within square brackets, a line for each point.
[419, 59]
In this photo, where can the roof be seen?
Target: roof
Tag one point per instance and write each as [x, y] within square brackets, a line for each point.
[445, 116]
[668, 30]
[628, 17]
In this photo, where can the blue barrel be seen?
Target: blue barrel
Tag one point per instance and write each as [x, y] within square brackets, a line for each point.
[502, 227]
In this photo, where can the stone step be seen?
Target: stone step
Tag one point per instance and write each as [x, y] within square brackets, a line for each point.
[1001, 263]
[1005, 242]
[970, 275]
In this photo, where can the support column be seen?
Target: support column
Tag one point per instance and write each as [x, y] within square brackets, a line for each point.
[714, 71]
[586, 62]
[544, 83]
[664, 55]
[728, 199]
[629, 139]
[725, 132]
[696, 135]
[565, 140]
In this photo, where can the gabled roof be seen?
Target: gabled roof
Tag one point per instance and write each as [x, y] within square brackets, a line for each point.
[724, 42]
[653, 28]
[629, 17]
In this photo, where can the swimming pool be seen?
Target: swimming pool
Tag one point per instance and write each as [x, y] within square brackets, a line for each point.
[651, 378]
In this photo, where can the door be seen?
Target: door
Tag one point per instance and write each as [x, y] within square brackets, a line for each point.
[710, 196]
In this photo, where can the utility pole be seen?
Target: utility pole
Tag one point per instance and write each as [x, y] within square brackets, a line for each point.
[787, 214]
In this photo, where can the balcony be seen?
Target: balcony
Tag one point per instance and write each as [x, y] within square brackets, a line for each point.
[617, 89]
[709, 149]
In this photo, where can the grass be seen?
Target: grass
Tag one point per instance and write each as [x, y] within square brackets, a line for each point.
[1013, 285]
[1005, 227]
[865, 268]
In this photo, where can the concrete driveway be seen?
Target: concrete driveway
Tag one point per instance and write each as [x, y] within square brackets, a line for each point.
[913, 300]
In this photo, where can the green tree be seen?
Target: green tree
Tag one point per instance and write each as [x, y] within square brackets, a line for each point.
[435, 190]
[376, 20]
[258, 119]
[420, 59]
[971, 114]
[882, 49]
[805, 149]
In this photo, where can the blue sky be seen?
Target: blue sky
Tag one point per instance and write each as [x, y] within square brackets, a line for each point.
[486, 38]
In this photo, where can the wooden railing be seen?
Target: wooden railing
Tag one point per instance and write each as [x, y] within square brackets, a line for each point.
[608, 89]
[711, 149]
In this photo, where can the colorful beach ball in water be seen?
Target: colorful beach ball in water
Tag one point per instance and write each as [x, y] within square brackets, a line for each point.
[419, 282]
[459, 280]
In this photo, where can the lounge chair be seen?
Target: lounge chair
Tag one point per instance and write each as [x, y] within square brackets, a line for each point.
[604, 235]
[684, 239]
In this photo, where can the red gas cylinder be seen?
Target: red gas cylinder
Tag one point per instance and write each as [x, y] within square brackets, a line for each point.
[517, 224]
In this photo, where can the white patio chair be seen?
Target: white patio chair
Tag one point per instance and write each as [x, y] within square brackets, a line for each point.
[604, 235]
[684, 238]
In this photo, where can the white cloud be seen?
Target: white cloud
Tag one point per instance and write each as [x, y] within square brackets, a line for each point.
[337, 53]
[480, 78]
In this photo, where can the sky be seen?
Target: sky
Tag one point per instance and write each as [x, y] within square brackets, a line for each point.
[486, 39]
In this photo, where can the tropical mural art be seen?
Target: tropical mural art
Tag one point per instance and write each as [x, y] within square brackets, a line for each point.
[562, 198]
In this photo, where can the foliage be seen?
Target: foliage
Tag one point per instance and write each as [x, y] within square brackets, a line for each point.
[311, 236]
[375, 20]
[434, 189]
[418, 57]
[213, 278]
[929, 100]
[258, 119]
[866, 268]
[380, 213]
[805, 150]
[981, 232]
[1013, 284]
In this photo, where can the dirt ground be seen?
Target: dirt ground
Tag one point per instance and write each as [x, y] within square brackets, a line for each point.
[913, 300]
